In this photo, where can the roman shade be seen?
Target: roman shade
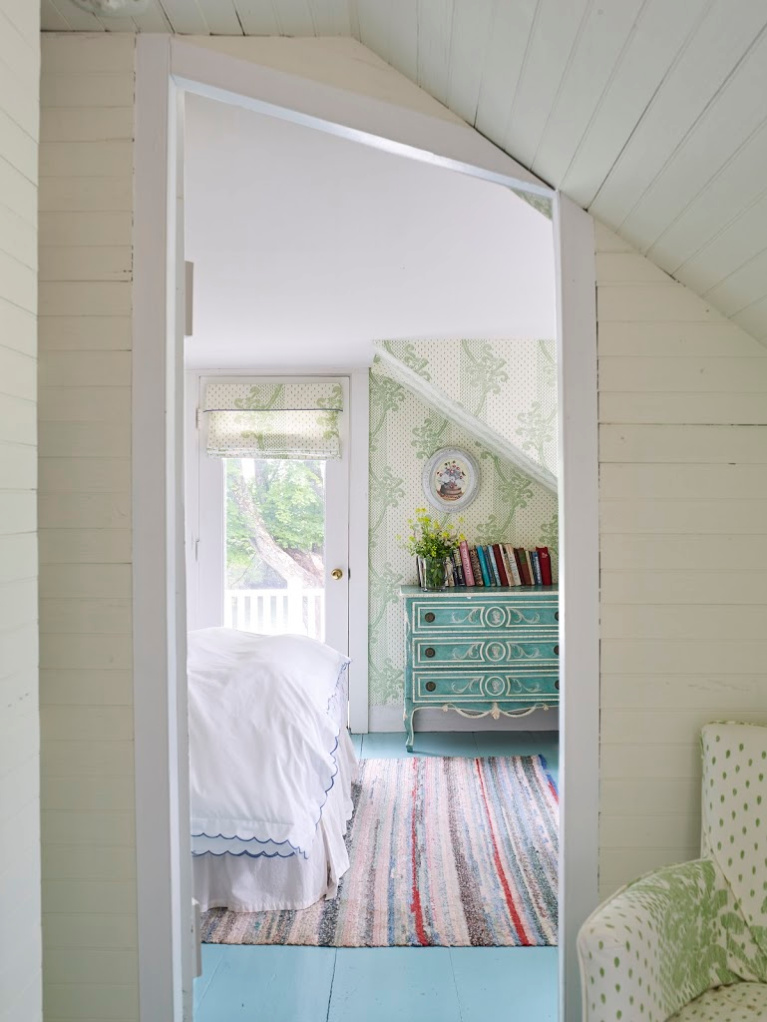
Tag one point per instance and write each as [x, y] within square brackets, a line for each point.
[267, 419]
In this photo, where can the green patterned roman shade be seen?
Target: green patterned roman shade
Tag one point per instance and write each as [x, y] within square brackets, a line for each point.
[266, 419]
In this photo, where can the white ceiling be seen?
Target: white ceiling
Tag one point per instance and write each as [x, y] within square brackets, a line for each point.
[650, 113]
[307, 248]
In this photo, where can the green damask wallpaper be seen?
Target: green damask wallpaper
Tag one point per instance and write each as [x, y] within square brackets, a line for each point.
[511, 385]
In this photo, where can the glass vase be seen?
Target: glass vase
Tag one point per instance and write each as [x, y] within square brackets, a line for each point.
[433, 573]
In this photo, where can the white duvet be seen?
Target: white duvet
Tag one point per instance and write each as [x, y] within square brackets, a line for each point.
[262, 742]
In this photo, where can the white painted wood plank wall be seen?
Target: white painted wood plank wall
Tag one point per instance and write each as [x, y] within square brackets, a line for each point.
[683, 527]
[20, 943]
[86, 180]
[683, 548]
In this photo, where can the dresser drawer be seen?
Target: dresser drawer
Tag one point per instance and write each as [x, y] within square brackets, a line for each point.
[445, 615]
[525, 654]
[481, 652]
[459, 687]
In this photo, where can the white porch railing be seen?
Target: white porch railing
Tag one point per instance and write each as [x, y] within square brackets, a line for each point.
[274, 611]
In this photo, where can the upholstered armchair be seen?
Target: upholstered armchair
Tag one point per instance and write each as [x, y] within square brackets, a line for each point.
[689, 942]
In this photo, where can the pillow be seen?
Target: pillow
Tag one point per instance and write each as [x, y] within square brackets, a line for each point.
[317, 666]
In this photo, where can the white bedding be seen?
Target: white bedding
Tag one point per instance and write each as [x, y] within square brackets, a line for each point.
[244, 884]
[271, 769]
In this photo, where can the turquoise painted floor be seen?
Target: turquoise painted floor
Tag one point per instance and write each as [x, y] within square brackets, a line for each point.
[391, 984]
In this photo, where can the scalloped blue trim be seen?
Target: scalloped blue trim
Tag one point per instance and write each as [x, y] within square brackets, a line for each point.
[250, 855]
[268, 841]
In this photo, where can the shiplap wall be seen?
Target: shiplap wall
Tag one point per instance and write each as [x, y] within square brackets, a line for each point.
[20, 956]
[86, 167]
[683, 487]
[683, 506]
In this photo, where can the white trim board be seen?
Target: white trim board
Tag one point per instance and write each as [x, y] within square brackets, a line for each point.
[350, 115]
[578, 585]
[389, 718]
[163, 846]
[168, 67]
[359, 694]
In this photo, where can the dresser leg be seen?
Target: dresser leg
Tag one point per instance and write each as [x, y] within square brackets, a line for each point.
[409, 735]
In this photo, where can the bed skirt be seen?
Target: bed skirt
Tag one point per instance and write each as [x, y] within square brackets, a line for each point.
[243, 883]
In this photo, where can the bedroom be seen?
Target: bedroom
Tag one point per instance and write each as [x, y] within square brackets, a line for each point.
[646, 116]
[294, 236]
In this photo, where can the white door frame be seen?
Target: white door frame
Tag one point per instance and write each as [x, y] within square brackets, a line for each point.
[167, 68]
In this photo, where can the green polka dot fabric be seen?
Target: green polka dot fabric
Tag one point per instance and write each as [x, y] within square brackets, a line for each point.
[691, 938]
[734, 812]
[743, 1002]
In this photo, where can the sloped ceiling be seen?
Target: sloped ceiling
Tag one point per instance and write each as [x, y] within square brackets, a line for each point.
[652, 114]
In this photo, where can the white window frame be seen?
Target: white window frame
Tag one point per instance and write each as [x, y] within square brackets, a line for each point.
[167, 68]
[205, 515]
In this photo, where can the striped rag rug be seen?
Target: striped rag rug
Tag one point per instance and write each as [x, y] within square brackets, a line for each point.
[444, 852]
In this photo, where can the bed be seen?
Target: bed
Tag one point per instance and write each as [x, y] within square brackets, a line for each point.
[271, 767]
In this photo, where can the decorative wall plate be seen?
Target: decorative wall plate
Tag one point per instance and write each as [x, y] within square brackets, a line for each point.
[451, 479]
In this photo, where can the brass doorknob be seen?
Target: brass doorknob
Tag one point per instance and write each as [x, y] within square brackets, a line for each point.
[337, 573]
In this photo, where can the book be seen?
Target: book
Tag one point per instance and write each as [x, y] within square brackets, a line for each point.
[536, 567]
[450, 574]
[529, 563]
[468, 574]
[488, 562]
[524, 571]
[483, 566]
[477, 571]
[498, 552]
[513, 566]
[544, 558]
[493, 566]
[458, 568]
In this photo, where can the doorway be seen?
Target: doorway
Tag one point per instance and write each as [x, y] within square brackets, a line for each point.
[159, 477]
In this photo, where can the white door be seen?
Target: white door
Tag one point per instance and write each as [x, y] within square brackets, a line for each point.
[269, 544]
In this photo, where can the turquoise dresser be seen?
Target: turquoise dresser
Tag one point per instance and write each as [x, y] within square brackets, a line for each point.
[481, 651]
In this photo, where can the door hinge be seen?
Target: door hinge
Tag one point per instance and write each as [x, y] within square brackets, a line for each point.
[197, 417]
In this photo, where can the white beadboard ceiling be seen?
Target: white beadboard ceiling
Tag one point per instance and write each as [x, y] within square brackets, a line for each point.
[652, 114]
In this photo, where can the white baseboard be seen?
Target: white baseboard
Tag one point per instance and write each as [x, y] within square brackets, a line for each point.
[389, 718]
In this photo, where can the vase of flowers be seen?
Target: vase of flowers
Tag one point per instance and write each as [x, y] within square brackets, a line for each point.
[432, 543]
[433, 573]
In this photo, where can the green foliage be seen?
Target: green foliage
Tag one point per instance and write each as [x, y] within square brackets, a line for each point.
[239, 548]
[430, 539]
[289, 497]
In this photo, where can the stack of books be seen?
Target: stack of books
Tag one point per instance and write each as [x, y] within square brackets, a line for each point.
[499, 564]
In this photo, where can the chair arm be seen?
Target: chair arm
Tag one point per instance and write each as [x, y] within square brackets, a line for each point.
[660, 942]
